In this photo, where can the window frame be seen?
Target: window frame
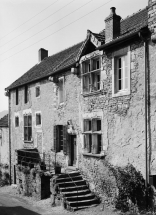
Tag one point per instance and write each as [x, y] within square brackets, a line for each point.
[91, 73]
[91, 135]
[122, 53]
[29, 139]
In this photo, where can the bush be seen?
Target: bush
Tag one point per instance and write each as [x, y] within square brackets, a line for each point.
[131, 188]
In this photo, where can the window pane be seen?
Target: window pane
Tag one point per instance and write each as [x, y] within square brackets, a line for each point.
[29, 120]
[90, 143]
[86, 83]
[25, 120]
[98, 125]
[25, 133]
[120, 84]
[29, 133]
[99, 143]
[119, 62]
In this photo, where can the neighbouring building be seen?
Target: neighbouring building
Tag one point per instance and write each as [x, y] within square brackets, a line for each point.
[4, 140]
[94, 101]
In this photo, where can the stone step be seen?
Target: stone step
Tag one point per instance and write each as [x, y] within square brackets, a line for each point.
[73, 188]
[72, 174]
[71, 183]
[81, 207]
[74, 193]
[89, 196]
[81, 203]
[68, 179]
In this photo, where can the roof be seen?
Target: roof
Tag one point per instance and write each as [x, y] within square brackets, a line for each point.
[135, 22]
[48, 66]
[69, 56]
[4, 121]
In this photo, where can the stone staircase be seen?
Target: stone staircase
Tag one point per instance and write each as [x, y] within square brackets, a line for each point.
[75, 191]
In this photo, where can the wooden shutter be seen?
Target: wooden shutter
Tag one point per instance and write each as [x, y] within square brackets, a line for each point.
[55, 143]
[65, 140]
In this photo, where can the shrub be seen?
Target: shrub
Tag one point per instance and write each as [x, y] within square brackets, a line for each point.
[131, 188]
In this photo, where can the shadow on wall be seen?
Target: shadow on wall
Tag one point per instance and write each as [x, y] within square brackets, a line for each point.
[16, 210]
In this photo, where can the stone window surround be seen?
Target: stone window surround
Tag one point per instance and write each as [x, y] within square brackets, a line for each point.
[98, 114]
[27, 112]
[87, 57]
[116, 54]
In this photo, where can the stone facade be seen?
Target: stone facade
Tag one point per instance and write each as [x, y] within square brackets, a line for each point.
[122, 116]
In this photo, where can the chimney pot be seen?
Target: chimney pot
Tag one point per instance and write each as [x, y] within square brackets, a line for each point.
[112, 10]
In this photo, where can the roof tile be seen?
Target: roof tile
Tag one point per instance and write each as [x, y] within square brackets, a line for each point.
[4, 121]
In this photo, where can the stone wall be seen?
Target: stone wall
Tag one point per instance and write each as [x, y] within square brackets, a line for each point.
[4, 146]
[32, 183]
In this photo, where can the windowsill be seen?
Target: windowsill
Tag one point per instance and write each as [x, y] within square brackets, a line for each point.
[94, 155]
[25, 141]
[60, 153]
[92, 93]
[121, 93]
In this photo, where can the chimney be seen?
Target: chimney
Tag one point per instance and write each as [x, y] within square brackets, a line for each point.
[112, 26]
[152, 19]
[42, 53]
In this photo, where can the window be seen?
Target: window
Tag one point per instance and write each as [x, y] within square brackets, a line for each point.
[27, 128]
[38, 119]
[26, 95]
[121, 73]
[61, 91]
[16, 121]
[91, 75]
[61, 139]
[17, 96]
[92, 135]
[37, 91]
[60, 136]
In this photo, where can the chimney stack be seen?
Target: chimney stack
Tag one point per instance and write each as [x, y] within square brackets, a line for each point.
[42, 53]
[112, 26]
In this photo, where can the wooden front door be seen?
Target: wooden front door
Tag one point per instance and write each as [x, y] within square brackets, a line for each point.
[73, 150]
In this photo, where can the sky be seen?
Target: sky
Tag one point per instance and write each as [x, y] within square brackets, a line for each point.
[28, 25]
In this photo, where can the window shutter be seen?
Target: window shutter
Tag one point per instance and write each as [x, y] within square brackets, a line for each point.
[65, 140]
[55, 143]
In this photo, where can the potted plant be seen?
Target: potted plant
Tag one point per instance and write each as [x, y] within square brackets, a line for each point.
[57, 167]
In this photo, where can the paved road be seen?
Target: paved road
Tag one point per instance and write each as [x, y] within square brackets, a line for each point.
[9, 205]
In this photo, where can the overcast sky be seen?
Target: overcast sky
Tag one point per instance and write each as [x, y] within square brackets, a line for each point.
[28, 25]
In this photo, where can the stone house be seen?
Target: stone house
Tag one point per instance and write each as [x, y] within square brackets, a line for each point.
[4, 140]
[94, 101]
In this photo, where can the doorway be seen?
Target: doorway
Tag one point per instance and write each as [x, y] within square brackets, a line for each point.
[73, 150]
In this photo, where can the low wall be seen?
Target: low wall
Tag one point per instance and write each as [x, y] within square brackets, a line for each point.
[32, 182]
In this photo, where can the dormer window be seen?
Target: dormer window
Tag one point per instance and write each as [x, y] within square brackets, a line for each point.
[91, 74]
